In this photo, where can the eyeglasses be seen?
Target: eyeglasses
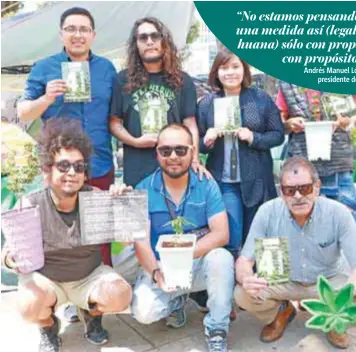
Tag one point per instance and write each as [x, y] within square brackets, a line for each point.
[64, 166]
[166, 151]
[304, 190]
[83, 30]
[155, 37]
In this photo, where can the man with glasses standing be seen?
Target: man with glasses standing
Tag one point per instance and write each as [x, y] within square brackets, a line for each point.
[317, 229]
[174, 187]
[71, 271]
[153, 87]
[44, 97]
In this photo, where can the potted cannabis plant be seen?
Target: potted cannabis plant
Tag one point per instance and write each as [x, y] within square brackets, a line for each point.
[176, 255]
[334, 310]
[318, 134]
[22, 226]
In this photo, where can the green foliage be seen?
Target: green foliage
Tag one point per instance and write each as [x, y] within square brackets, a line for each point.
[334, 310]
[353, 137]
[21, 175]
[10, 8]
[178, 226]
[192, 36]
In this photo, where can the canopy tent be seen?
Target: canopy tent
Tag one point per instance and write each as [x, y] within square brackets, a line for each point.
[26, 39]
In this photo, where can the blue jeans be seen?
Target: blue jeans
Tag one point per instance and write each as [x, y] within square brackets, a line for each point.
[340, 187]
[231, 194]
[214, 272]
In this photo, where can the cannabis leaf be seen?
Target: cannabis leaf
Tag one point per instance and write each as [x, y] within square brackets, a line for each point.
[178, 224]
[334, 311]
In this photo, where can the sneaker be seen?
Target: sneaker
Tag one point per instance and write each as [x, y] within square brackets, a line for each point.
[71, 313]
[93, 329]
[178, 317]
[200, 299]
[217, 341]
[49, 339]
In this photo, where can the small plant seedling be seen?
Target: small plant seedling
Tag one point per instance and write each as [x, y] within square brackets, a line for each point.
[178, 227]
[334, 311]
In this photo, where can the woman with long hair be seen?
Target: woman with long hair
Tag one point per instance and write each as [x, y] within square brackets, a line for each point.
[240, 160]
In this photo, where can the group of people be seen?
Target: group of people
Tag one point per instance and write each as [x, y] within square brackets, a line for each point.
[234, 197]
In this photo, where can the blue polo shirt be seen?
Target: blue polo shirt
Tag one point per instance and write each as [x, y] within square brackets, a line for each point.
[94, 115]
[201, 202]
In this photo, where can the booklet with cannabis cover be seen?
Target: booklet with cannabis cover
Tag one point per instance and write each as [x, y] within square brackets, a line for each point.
[77, 76]
[227, 117]
[272, 259]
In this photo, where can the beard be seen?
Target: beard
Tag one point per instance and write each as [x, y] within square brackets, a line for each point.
[152, 59]
[175, 175]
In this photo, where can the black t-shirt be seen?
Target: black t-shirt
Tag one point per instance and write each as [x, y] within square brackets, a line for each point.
[176, 105]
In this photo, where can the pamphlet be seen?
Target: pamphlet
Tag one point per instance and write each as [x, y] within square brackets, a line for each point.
[77, 76]
[272, 259]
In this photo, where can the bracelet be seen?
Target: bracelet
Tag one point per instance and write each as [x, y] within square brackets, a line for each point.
[153, 274]
[6, 263]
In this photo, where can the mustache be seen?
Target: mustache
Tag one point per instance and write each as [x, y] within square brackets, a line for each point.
[299, 202]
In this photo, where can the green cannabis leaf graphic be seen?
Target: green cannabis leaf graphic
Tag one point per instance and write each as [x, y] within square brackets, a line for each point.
[334, 311]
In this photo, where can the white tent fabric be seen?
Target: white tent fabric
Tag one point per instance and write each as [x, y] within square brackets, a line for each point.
[29, 38]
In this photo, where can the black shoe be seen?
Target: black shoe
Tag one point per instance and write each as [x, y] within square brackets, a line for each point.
[200, 299]
[71, 313]
[93, 329]
[49, 340]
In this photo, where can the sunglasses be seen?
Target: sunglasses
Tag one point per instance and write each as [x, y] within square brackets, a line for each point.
[166, 151]
[64, 166]
[155, 37]
[304, 190]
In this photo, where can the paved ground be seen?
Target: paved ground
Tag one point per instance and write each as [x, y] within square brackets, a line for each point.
[128, 335]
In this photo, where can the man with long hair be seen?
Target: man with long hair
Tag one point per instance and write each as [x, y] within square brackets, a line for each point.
[151, 92]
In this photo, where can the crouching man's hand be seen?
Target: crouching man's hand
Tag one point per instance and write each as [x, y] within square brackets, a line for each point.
[118, 190]
[254, 285]
[159, 277]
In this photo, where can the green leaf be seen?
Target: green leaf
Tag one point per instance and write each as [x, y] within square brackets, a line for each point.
[326, 292]
[341, 326]
[330, 323]
[350, 311]
[344, 297]
[315, 306]
[316, 322]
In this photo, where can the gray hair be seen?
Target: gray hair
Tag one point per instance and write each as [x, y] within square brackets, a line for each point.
[296, 163]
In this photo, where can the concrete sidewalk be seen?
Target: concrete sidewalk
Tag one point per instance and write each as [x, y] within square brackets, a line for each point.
[128, 335]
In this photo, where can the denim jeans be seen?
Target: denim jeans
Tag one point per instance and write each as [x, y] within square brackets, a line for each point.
[213, 272]
[231, 194]
[340, 187]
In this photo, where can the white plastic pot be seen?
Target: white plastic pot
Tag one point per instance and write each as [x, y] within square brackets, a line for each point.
[23, 233]
[318, 137]
[177, 262]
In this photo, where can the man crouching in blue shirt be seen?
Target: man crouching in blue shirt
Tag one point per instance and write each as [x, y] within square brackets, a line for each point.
[201, 204]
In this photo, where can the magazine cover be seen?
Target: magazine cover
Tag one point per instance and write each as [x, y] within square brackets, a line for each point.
[272, 259]
[77, 77]
[227, 114]
[153, 114]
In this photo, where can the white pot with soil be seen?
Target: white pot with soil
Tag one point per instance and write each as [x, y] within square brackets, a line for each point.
[23, 234]
[176, 255]
[318, 137]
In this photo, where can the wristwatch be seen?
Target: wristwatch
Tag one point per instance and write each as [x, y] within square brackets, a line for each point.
[153, 274]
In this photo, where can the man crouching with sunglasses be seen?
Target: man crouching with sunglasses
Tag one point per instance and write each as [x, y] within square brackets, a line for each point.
[175, 190]
[317, 229]
[71, 272]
